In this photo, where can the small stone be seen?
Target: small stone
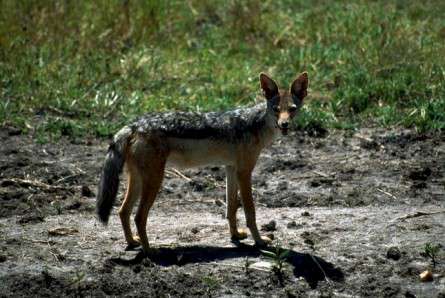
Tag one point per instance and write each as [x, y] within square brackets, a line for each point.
[11, 151]
[13, 131]
[421, 174]
[305, 213]
[75, 205]
[369, 144]
[197, 186]
[426, 276]
[219, 203]
[309, 242]
[86, 191]
[283, 185]
[291, 225]
[195, 230]
[270, 226]
[393, 253]
[315, 183]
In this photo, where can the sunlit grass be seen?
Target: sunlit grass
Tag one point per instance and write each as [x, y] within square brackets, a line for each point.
[66, 69]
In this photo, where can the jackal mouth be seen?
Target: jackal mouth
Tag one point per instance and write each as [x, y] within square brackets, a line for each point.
[284, 131]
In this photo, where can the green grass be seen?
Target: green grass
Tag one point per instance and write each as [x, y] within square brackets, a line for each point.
[87, 67]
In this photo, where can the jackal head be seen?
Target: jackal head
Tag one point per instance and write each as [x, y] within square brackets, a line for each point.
[284, 104]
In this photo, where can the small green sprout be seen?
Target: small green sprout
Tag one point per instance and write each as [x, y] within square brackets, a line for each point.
[431, 250]
[278, 257]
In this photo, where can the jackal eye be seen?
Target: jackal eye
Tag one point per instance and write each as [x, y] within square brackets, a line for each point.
[276, 109]
[293, 108]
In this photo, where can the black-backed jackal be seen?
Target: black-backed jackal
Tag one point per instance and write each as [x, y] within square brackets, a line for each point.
[233, 139]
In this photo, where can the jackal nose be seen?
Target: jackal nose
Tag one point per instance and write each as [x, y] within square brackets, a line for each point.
[284, 124]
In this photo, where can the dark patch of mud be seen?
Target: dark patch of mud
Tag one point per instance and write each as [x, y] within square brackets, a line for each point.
[46, 179]
[338, 200]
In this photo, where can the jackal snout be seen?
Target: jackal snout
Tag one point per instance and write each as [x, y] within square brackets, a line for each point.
[283, 120]
[283, 123]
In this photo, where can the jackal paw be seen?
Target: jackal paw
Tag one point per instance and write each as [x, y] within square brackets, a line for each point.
[239, 235]
[145, 246]
[264, 241]
[135, 241]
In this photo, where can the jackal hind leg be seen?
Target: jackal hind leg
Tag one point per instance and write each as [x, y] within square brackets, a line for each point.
[132, 194]
[233, 204]
[245, 185]
[151, 183]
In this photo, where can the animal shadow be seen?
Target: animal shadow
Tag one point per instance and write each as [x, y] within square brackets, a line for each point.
[312, 268]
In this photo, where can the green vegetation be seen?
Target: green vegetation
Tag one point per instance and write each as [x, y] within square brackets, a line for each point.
[86, 67]
[432, 251]
[278, 256]
[211, 282]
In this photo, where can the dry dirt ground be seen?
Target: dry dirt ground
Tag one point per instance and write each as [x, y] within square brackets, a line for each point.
[344, 204]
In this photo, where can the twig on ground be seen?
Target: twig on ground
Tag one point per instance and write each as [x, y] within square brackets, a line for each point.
[319, 266]
[302, 177]
[220, 203]
[418, 214]
[67, 177]
[62, 231]
[364, 138]
[177, 173]
[56, 255]
[387, 193]
[321, 174]
[78, 169]
[34, 183]
[239, 266]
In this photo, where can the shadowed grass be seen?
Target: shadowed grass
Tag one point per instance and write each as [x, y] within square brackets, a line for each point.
[86, 67]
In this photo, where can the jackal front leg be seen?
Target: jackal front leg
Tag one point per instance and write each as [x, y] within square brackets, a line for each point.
[245, 185]
[233, 204]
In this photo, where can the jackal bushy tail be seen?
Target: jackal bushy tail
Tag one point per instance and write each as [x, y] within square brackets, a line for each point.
[109, 180]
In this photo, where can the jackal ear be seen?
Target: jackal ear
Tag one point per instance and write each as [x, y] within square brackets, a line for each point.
[269, 87]
[298, 88]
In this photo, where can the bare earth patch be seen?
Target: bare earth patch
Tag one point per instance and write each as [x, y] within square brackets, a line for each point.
[346, 206]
